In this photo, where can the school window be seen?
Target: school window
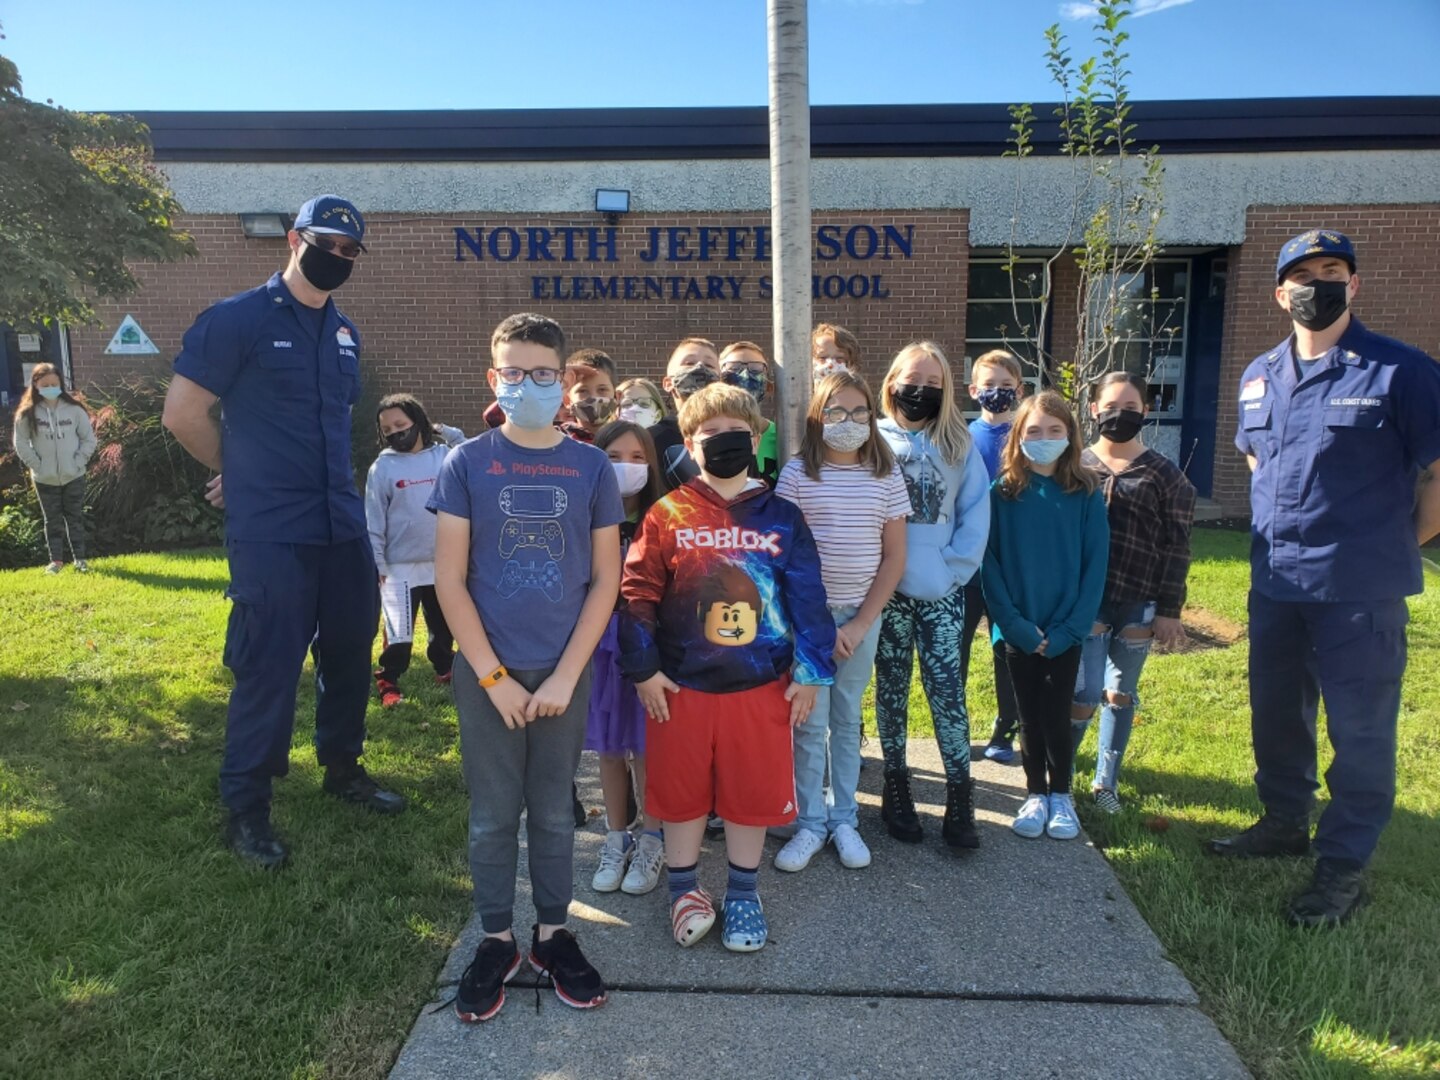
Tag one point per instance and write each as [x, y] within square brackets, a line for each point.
[1150, 320]
[1004, 311]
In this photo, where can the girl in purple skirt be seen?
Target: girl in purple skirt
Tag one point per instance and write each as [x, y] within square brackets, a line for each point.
[616, 726]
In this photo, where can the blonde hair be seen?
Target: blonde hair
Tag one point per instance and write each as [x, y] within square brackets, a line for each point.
[948, 430]
[845, 341]
[719, 399]
[875, 454]
[1070, 474]
[651, 391]
[999, 358]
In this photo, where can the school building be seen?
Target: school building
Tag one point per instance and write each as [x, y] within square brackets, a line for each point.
[636, 227]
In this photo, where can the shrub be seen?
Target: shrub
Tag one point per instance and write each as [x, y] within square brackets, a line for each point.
[22, 529]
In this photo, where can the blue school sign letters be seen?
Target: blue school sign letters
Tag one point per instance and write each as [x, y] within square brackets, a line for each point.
[676, 245]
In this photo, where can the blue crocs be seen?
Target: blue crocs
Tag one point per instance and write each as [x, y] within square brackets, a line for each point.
[745, 927]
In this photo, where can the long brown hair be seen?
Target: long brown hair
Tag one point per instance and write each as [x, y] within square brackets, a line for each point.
[26, 409]
[654, 488]
[875, 454]
[1070, 474]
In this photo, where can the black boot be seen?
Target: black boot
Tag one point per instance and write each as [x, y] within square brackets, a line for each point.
[959, 828]
[581, 818]
[249, 837]
[897, 808]
[353, 784]
[1267, 838]
[1335, 893]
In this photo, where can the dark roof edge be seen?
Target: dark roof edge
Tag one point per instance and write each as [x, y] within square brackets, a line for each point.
[1178, 127]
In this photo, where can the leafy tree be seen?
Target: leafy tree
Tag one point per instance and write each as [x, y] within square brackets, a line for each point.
[79, 196]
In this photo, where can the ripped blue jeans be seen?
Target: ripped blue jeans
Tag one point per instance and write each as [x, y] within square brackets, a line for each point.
[1110, 666]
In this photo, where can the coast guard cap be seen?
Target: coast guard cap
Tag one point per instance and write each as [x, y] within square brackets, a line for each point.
[1314, 244]
[332, 215]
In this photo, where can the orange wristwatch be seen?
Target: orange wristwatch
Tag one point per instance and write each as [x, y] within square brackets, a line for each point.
[494, 677]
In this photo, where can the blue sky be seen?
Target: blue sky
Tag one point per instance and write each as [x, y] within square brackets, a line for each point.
[446, 54]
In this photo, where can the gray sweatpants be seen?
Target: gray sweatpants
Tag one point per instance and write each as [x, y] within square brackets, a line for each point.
[530, 769]
[63, 507]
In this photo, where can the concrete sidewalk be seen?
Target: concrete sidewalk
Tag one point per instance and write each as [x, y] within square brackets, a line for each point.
[1022, 959]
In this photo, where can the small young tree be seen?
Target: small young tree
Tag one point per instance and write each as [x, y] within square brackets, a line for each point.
[1114, 203]
[79, 196]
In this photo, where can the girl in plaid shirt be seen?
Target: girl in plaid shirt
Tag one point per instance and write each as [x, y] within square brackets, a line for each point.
[1151, 506]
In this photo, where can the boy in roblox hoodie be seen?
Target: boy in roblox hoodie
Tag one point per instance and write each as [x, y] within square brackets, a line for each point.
[726, 634]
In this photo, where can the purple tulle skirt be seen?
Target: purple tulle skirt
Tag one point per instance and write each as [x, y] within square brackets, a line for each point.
[616, 724]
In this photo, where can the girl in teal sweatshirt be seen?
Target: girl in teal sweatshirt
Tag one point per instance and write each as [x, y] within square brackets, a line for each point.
[1044, 576]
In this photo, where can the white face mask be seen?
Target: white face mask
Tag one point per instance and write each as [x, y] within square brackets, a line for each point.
[631, 476]
[847, 436]
[643, 413]
[828, 366]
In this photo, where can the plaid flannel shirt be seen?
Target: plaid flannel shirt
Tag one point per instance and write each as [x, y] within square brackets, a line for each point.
[1151, 506]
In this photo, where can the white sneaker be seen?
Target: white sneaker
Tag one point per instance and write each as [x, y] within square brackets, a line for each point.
[853, 853]
[613, 860]
[644, 873]
[796, 855]
[1063, 824]
[1030, 821]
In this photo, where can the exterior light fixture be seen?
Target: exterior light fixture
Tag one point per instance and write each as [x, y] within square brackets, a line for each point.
[264, 226]
[612, 203]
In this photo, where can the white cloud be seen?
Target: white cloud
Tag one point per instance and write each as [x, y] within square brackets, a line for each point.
[1086, 10]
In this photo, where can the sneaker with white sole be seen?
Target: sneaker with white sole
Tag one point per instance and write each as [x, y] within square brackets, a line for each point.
[1106, 801]
[1063, 824]
[1030, 821]
[854, 855]
[645, 863]
[796, 854]
[614, 858]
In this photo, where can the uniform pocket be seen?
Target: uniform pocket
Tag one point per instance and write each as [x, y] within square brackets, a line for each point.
[1354, 418]
[246, 628]
[1254, 415]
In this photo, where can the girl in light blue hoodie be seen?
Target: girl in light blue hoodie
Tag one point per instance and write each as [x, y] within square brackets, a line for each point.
[945, 538]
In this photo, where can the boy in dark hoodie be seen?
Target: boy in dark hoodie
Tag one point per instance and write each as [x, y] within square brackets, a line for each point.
[726, 635]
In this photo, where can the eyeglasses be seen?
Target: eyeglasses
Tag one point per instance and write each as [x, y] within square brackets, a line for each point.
[756, 368]
[348, 249]
[834, 414]
[540, 376]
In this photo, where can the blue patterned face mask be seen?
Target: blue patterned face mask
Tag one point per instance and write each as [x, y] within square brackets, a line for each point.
[996, 399]
[529, 406]
[749, 381]
[1044, 451]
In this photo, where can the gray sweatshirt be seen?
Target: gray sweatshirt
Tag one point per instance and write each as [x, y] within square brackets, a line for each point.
[396, 491]
[59, 447]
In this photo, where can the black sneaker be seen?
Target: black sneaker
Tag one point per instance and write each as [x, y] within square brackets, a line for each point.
[249, 837]
[1269, 837]
[1335, 893]
[353, 784]
[897, 808]
[481, 993]
[959, 827]
[576, 983]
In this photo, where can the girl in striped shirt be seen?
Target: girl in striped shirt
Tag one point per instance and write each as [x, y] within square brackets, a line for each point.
[850, 490]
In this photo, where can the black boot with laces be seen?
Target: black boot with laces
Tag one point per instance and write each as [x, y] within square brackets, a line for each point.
[1335, 893]
[897, 808]
[1268, 838]
[959, 828]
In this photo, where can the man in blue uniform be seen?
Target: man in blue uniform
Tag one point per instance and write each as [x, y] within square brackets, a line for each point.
[284, 363]
[1338, 424]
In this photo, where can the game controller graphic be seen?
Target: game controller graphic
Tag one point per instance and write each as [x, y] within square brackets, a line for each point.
[537, 500]
[516, 533]
[546, 579]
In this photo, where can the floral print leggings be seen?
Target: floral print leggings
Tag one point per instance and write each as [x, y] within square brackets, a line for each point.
[933, 628]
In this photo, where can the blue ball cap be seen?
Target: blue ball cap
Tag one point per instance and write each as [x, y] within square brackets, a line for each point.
[1314, 244]
[332, 215]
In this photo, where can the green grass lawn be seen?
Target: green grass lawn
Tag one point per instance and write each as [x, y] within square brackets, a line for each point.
[134, 945]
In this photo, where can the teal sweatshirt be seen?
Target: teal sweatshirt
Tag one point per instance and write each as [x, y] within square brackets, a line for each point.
[1044, 572]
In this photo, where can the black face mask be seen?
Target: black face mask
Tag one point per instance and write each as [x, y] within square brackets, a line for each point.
[326, 271]
[1319, 304]
[404, 441]
[1120, 425]
[916, 403]
[728, 454]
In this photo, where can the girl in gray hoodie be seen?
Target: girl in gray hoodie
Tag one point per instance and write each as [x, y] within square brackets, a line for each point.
[55, 438]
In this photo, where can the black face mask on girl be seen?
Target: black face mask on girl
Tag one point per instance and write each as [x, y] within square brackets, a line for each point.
[323, 269]
[1120, 425]
[728, 453]
[404, 441]
[916, 403]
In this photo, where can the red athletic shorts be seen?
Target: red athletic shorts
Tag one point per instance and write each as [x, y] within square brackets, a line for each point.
[731, 752]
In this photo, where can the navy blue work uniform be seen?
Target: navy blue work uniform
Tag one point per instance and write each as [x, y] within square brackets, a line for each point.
[1333, 556]
[300, 558]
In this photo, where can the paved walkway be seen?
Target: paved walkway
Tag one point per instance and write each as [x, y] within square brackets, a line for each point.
[1023, 959]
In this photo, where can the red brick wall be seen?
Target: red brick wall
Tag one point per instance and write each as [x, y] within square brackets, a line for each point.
[427, 319]
[1395, 247]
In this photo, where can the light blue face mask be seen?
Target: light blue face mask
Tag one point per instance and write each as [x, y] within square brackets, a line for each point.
[50, 393]
[529, 406]
[1044, 451]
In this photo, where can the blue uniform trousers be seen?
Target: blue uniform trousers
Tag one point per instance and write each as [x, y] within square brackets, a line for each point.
[1353, 656]
[284, 597]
